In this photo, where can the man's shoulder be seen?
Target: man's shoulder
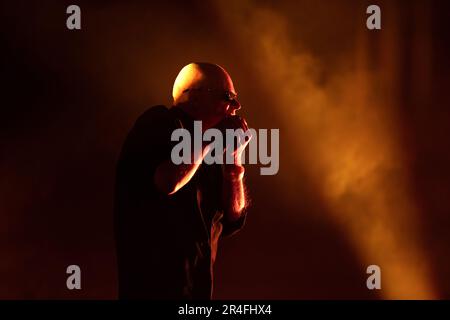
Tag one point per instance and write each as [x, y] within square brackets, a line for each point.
[154, 118]
[150, 130]
[154, 113]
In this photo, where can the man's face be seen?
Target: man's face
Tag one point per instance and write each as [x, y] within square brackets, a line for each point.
[222, 103]
[218, 103]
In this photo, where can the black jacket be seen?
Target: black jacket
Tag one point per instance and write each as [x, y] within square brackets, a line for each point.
[166, 245]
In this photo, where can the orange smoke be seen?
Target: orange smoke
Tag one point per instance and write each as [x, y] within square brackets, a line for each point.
[344, 131]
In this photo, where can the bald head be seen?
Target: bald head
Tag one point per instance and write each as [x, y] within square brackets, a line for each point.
[200, 75]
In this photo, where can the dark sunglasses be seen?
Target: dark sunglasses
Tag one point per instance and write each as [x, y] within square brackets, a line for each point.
[227, 95]
[230, 96]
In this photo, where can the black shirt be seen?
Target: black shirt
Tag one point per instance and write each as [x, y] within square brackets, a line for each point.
[166, 244]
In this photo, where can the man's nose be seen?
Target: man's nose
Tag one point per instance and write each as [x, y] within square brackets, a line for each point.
[235, 105]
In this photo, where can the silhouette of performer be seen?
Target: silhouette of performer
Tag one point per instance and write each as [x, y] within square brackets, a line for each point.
[168, 218]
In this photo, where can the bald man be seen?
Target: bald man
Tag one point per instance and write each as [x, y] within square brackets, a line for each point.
[169, 218]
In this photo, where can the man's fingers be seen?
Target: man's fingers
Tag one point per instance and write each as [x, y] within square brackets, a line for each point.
[235, 122]
[240, 123]
[244, 124]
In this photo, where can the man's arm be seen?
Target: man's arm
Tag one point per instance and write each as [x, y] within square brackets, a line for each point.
[170, 177]
[233, 195]
[233, 189]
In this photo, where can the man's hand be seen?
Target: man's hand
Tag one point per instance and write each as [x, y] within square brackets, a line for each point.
[240, 143]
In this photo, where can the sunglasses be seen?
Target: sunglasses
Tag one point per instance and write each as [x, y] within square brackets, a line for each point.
[228, 96]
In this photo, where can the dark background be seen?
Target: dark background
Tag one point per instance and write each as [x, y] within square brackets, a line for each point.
[364, 150]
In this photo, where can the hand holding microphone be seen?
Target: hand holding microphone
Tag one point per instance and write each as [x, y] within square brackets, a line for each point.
[236, 140]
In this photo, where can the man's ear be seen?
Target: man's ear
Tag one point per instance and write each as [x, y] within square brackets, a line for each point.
[193, 96]
[195, 100]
